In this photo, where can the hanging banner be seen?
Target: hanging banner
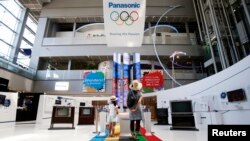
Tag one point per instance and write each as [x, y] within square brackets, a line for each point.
[124, 22]
[119, 78]
[115, 75]
[136, 66]
[93, 81]
[126, 77]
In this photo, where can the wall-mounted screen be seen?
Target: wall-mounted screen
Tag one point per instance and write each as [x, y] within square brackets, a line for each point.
[183, 106]
[86, 111]
[236, 95]
[2, 99]
[82, 104]
[63, 112]
[58, 102]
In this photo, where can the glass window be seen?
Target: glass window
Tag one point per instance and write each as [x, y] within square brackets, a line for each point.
[4, 49]
[2, 11]
[25, 45]
[13, 7]
[6, 34]
[23, 60]
[9, 20]
[31, 24]
[28, 35]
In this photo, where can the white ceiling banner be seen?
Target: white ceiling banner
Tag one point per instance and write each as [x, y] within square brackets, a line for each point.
[124, 22]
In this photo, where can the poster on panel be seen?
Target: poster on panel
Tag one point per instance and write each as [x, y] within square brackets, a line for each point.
[93, 81]
[152, 80]
[124, 22]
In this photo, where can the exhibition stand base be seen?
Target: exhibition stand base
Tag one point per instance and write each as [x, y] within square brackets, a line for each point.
[61, 128]
[162, 124]
[141, 137]
[188, 129]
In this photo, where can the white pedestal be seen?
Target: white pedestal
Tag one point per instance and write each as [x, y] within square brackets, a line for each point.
[216, 118]
[124, 124]
[147, 122]
[102, 122]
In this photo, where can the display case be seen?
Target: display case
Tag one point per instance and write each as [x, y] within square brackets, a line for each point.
[62, 115]
[86, 115]
[182, 115]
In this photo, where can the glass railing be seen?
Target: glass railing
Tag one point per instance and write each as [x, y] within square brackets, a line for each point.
[17, 68]
[65, 38]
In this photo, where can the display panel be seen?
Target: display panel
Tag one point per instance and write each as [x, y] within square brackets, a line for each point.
[236, 95]
[2, 99]
[86, 111]
[82, 103]
[63, 112]
[181, 106]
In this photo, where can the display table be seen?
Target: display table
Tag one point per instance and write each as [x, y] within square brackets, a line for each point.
[124, 124]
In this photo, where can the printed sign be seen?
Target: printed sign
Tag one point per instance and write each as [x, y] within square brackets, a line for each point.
[124, 22]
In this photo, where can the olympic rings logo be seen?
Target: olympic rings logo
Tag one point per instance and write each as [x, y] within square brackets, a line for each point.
[124, 17]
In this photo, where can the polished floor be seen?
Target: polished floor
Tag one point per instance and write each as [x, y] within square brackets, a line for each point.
[34, 132]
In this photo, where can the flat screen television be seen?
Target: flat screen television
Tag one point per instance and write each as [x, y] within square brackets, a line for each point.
[82, 104]
[236, 95]
[63, 112]
[181, 107]
[2, 99]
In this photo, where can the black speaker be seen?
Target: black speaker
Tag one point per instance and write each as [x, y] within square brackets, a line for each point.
[162, 116]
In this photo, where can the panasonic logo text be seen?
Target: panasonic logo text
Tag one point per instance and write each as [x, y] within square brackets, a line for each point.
[124, 5]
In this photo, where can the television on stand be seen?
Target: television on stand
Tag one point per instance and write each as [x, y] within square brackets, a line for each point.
[62, 115]
[86, 115]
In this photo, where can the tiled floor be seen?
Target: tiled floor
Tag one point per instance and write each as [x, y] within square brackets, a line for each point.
[33, 132]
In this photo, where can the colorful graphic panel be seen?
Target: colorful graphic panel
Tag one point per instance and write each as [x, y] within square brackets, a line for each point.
[93, 81]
